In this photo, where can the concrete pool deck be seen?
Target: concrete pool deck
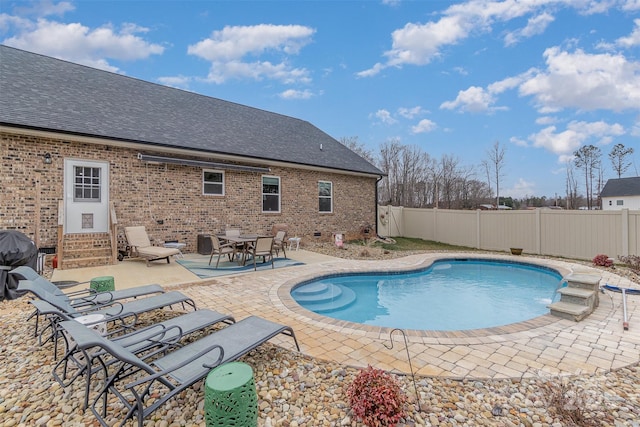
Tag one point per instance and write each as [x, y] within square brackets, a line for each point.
[544, 346]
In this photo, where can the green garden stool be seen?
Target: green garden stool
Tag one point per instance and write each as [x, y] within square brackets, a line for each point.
[103, 284]
[230, 398]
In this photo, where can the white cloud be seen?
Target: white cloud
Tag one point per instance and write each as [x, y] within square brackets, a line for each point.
[222, 71]
[384, 116]
[520, 189]
[228, 49]
[81, 44]
[477, 100]
[296, 94]
[424, 126]
[577, 133]
[371, 71]
[44, 8]
[633, 39]
[546, 120]
[421, 43]
[474, 100]
[410, 113]
[585, 82]
[518, 141]
[536, 25]
[175, 81]
[631, 5]
[575, 80]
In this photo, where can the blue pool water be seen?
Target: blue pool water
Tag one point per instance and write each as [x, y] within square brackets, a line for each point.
[449, 295]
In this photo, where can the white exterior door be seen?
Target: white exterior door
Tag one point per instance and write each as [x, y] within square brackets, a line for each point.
[86, 196]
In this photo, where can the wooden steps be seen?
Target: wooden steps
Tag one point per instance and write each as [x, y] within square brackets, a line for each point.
[579, 298]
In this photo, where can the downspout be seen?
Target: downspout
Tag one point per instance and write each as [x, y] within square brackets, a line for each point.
[376, 202]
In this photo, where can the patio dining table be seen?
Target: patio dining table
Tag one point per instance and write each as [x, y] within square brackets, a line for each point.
[243, 242]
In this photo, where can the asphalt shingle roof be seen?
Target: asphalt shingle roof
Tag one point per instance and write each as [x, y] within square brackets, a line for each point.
[45, 93]
[621, 187]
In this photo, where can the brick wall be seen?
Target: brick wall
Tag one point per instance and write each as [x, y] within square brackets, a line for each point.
[146, 194]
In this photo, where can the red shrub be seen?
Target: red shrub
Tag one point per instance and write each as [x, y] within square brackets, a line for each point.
[376, 398]
[602, 261]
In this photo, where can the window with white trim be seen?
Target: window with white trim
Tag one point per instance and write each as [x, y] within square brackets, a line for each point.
[213, 182]
[325, 196]
[270, 194]
[86, 186]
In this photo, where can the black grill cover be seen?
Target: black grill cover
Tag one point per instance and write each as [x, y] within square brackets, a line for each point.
[16, 249]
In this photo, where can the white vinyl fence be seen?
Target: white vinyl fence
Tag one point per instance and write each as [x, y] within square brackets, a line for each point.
[569, 234]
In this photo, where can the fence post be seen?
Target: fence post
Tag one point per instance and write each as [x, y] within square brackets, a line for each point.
[478, 227]
[538, 231]
[624, 225]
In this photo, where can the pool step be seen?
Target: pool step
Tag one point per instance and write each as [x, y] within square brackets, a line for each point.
[569, 311]
[579, 298]
[324, 297]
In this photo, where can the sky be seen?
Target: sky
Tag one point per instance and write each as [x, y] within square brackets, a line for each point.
[540, 77]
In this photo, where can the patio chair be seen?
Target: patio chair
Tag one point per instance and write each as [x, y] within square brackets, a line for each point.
[280, 242]
[220, 249]
[262, 247]
[131, 380]
[232, 232]
[141, 246]
[151, 340]
[57, 308]
[84, 296]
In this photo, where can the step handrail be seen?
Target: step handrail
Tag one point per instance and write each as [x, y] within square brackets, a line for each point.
[113, 219]
[59, 251]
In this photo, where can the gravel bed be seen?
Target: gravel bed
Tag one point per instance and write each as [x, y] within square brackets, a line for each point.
[295, 390]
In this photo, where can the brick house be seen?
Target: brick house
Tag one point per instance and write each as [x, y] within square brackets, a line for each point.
[86, 152]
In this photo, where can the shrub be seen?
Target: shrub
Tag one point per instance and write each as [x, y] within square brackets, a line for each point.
[602, 261]
[376, 398]
[632, 261]
[569, 404]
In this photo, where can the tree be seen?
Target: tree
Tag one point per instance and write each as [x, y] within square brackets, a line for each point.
[588, 158]
[572, 188]
[354, 144]
[493, 167]
[619, 158]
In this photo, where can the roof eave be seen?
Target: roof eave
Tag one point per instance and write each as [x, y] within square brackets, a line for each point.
[160, 148]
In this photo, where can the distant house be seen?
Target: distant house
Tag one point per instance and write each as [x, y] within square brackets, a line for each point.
[621, 193]
[87, 152]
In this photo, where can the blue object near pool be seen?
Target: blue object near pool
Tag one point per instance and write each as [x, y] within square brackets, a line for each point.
[458, 294]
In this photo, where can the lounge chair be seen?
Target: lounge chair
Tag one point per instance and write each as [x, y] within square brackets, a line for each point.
[141, 246]
[262, 247]
[56, 308]
[220, 249]
[84, 296]
[151, 340]
[280, 242]
[176, 371]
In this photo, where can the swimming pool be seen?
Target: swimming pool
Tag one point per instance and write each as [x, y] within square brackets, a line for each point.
[451, 294]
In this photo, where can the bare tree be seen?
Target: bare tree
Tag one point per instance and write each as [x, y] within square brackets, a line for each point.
[493, 166]
[354, 144]
[449, 177]
[588, 158]
[389, 161]
[572, 188]
[415, 179]
[619, 157]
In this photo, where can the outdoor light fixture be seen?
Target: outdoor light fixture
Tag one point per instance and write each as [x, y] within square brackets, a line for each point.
[47, 159]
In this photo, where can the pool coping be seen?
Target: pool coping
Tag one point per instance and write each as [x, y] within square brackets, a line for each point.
[543, 346]
[284, 293]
